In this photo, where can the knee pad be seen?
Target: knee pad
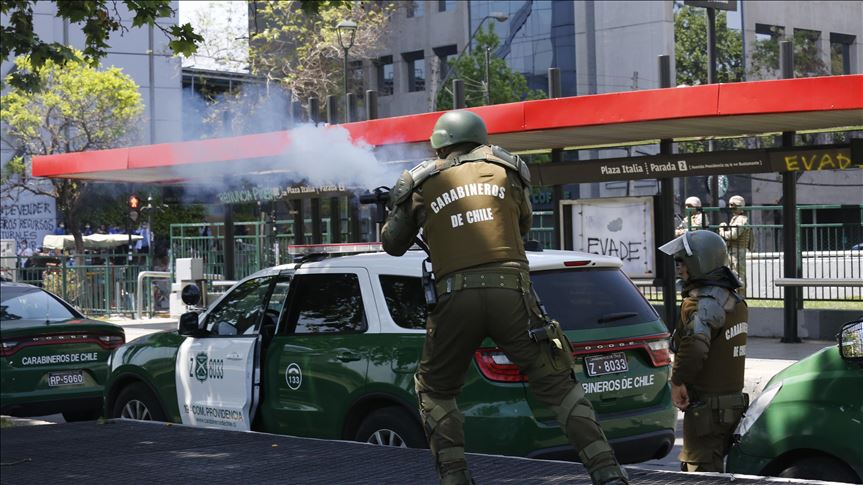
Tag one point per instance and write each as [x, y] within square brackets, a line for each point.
[574, 404]
[433, 410]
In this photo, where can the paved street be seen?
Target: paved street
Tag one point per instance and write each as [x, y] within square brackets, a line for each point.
[140, 452]
[767, 356]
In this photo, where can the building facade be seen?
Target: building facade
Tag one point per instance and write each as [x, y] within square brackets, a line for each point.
[143, 54]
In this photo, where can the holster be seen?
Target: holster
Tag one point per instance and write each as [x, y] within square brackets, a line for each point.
[428, 282]
[559, 347]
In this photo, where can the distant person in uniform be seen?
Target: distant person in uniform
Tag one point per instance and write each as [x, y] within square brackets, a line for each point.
[60, 229]
[695, 218]
[709, 342]
[738, 238]
[473, 206]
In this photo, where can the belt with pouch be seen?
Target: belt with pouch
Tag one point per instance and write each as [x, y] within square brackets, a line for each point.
[512, 280]
[725, 401]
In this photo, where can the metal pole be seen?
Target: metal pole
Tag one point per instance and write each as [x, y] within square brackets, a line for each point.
[554, 91]
[711, 79]
[347, 105]
[314, 110]
[149, 234]
[711, 45]
[666, 212]
[228, 271]
[332, 110]
[789, 216]
[487, 86]
[371, 104]
[350, 107]
[458, 94]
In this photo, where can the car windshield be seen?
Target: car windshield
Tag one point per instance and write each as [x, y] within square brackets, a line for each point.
[591, 298]
[27, 303]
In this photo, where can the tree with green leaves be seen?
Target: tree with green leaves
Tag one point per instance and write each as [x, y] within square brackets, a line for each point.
[98, 20]
[295, 42]
[690, 47]
[75, 108]
[505, 85]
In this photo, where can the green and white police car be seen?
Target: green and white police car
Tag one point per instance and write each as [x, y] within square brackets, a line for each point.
[52, 358]
[328, 349]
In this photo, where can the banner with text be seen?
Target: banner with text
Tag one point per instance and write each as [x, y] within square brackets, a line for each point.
[620, 227]
[25, 216]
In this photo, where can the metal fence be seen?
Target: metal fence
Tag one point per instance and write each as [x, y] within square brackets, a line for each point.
[824, 250]
[257, 244]
[104, 285]
[543, 228]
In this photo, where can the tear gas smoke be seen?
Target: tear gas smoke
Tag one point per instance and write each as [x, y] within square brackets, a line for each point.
[313, 155]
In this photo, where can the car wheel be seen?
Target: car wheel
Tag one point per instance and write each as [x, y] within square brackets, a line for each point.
[137, 402]
[83, 415]
[820, 468]
[391, 426]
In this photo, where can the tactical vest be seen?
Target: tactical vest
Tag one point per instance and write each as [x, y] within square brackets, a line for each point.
[723, 370]
[738, 233]
[472, 217]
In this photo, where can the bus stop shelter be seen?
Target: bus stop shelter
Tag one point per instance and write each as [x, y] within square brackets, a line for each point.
[717, 110]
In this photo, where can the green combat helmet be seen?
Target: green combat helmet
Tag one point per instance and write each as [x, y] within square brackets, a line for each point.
[701, 251]
[455, 127]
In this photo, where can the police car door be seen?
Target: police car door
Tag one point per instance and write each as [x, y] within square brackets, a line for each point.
[218, 376]
[319, 358]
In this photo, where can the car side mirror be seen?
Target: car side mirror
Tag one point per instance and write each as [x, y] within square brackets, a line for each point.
[191, 294]
[851, 341]
[188, 326]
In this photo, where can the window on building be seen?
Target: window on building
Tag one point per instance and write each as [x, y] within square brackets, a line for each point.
[445, 5]
[416, 66]
[765, 52]
[414, 8]
[386, 75]
[444, 54]
[808, 60]
[840, 53]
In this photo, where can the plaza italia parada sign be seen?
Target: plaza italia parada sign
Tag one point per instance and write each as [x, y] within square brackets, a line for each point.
[614, 169]
[695, 164]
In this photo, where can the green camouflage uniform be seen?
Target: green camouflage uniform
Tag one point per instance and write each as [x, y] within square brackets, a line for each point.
[710, 346]
[474, 209]
[738, 238]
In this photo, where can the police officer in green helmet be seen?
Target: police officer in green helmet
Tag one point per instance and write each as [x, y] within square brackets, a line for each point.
[709, 342]
[473, 207]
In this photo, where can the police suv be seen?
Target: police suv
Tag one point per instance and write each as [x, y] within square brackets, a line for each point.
[327, 348]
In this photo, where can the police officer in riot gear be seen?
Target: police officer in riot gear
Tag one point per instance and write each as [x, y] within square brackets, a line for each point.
[473, 207]
[710, 345]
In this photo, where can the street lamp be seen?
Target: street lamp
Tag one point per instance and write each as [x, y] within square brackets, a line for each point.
[500, 17]
[347, 30]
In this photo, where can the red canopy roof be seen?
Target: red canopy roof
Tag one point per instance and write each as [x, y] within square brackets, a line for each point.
[711, 110]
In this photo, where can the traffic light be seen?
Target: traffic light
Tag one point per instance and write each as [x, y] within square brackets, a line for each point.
[134, 206]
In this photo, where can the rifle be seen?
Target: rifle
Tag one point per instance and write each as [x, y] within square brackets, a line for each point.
[380, 197]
